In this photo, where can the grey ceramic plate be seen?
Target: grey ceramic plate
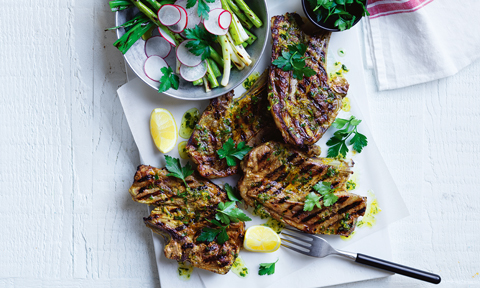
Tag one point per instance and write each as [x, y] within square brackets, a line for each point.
[136, 57]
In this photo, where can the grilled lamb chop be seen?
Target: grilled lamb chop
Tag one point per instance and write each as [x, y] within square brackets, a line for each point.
[245, 119]
[279, 177]
[302, 109]
[181, 214]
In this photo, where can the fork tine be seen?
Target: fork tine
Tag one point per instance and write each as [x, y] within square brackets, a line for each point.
[296, 237]
[289, 241]
[299, 232]
[295, 249]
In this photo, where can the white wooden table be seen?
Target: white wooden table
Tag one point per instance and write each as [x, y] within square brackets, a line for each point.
[67, 159]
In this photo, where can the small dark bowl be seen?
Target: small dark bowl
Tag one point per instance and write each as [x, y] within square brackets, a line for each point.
[354, 9]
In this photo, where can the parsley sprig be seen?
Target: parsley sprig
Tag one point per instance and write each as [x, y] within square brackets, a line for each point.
[294, 60]
[229, 212]
[229, 151]
[267, 268]
[326, 194]
[176, 170]
[232, 193]
[202, 8]
[339, 10]
[168, 80]
[338, 142]
[200, 43]
[209, 234]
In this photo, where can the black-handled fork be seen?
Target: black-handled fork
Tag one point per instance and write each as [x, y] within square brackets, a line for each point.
[314, 246]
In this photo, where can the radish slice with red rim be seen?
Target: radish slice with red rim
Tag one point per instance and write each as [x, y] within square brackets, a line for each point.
[212, 25]
[191, 74]
[180, 26]
[169, 14]
[153, 66]
[167, 37]
[225, 19]
[158, 46]
[193, 18]
[186, 57]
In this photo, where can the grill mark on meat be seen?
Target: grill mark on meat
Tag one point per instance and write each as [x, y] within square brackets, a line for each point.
[179, 226]
[286, 93]
[297, 177]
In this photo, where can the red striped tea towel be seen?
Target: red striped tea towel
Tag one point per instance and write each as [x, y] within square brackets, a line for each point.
[416, 41]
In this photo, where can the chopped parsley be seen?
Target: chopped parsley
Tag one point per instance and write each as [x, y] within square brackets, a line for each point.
[168, 80]
[176, 170]
[200, 43]
[202, 8]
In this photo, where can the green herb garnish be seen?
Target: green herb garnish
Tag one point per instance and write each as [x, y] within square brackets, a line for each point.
[338, 143]
[229, 151]
[176, 170]
[201, 40]
[338, 10]
[168, 80]
[209, 234]
[313, 199]
[294, 60]
[229, 212]
[267, 268]
[202, 8]
[232, 193]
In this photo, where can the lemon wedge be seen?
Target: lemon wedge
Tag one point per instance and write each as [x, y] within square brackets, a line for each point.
[163, 129]
[260, 238]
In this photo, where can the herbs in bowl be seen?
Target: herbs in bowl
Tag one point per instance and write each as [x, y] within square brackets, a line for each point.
[335, 15]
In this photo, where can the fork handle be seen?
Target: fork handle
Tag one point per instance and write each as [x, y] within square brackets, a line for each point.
[397, 268]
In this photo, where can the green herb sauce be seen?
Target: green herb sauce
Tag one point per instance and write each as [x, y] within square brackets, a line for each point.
[239, 268]
[189, 120]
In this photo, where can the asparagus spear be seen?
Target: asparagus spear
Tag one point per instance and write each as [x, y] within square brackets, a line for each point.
[207, 85]
[233, 29]
[240, 52]
[222, 39]
[251, 15]
[251, 37]
[216, 57]
[241, 16]
[198, 82]
[214, 66]
[154, 4]
[211, 77]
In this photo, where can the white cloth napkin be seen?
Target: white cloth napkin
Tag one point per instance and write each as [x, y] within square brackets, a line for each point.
[416, 41]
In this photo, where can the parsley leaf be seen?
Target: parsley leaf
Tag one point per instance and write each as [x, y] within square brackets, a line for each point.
[229, 212]
[176, 170]
[209, 234]
[202, 8]
[338, 143]
[229, 152]
[339, 10]
[267, 268]
[232, 193]
[311, 201]
[325, 190]
[200, 41]
[294, 60]
[168, 80]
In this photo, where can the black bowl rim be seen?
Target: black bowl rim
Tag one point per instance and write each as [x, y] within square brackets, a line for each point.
[305, 10]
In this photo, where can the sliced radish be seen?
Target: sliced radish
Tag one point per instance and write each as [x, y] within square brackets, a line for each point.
[158, 46]
[212, 24]
[186, 57]
[169, 14]
[215, 5]
[225, 19]
[180, 26]
[152, 67]
[193, 18]
[191, 74]
[167, 37]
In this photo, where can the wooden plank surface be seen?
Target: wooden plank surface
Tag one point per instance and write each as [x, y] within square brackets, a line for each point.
[67, 159]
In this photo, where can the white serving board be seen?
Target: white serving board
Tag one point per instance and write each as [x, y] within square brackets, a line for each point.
[139, 100]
